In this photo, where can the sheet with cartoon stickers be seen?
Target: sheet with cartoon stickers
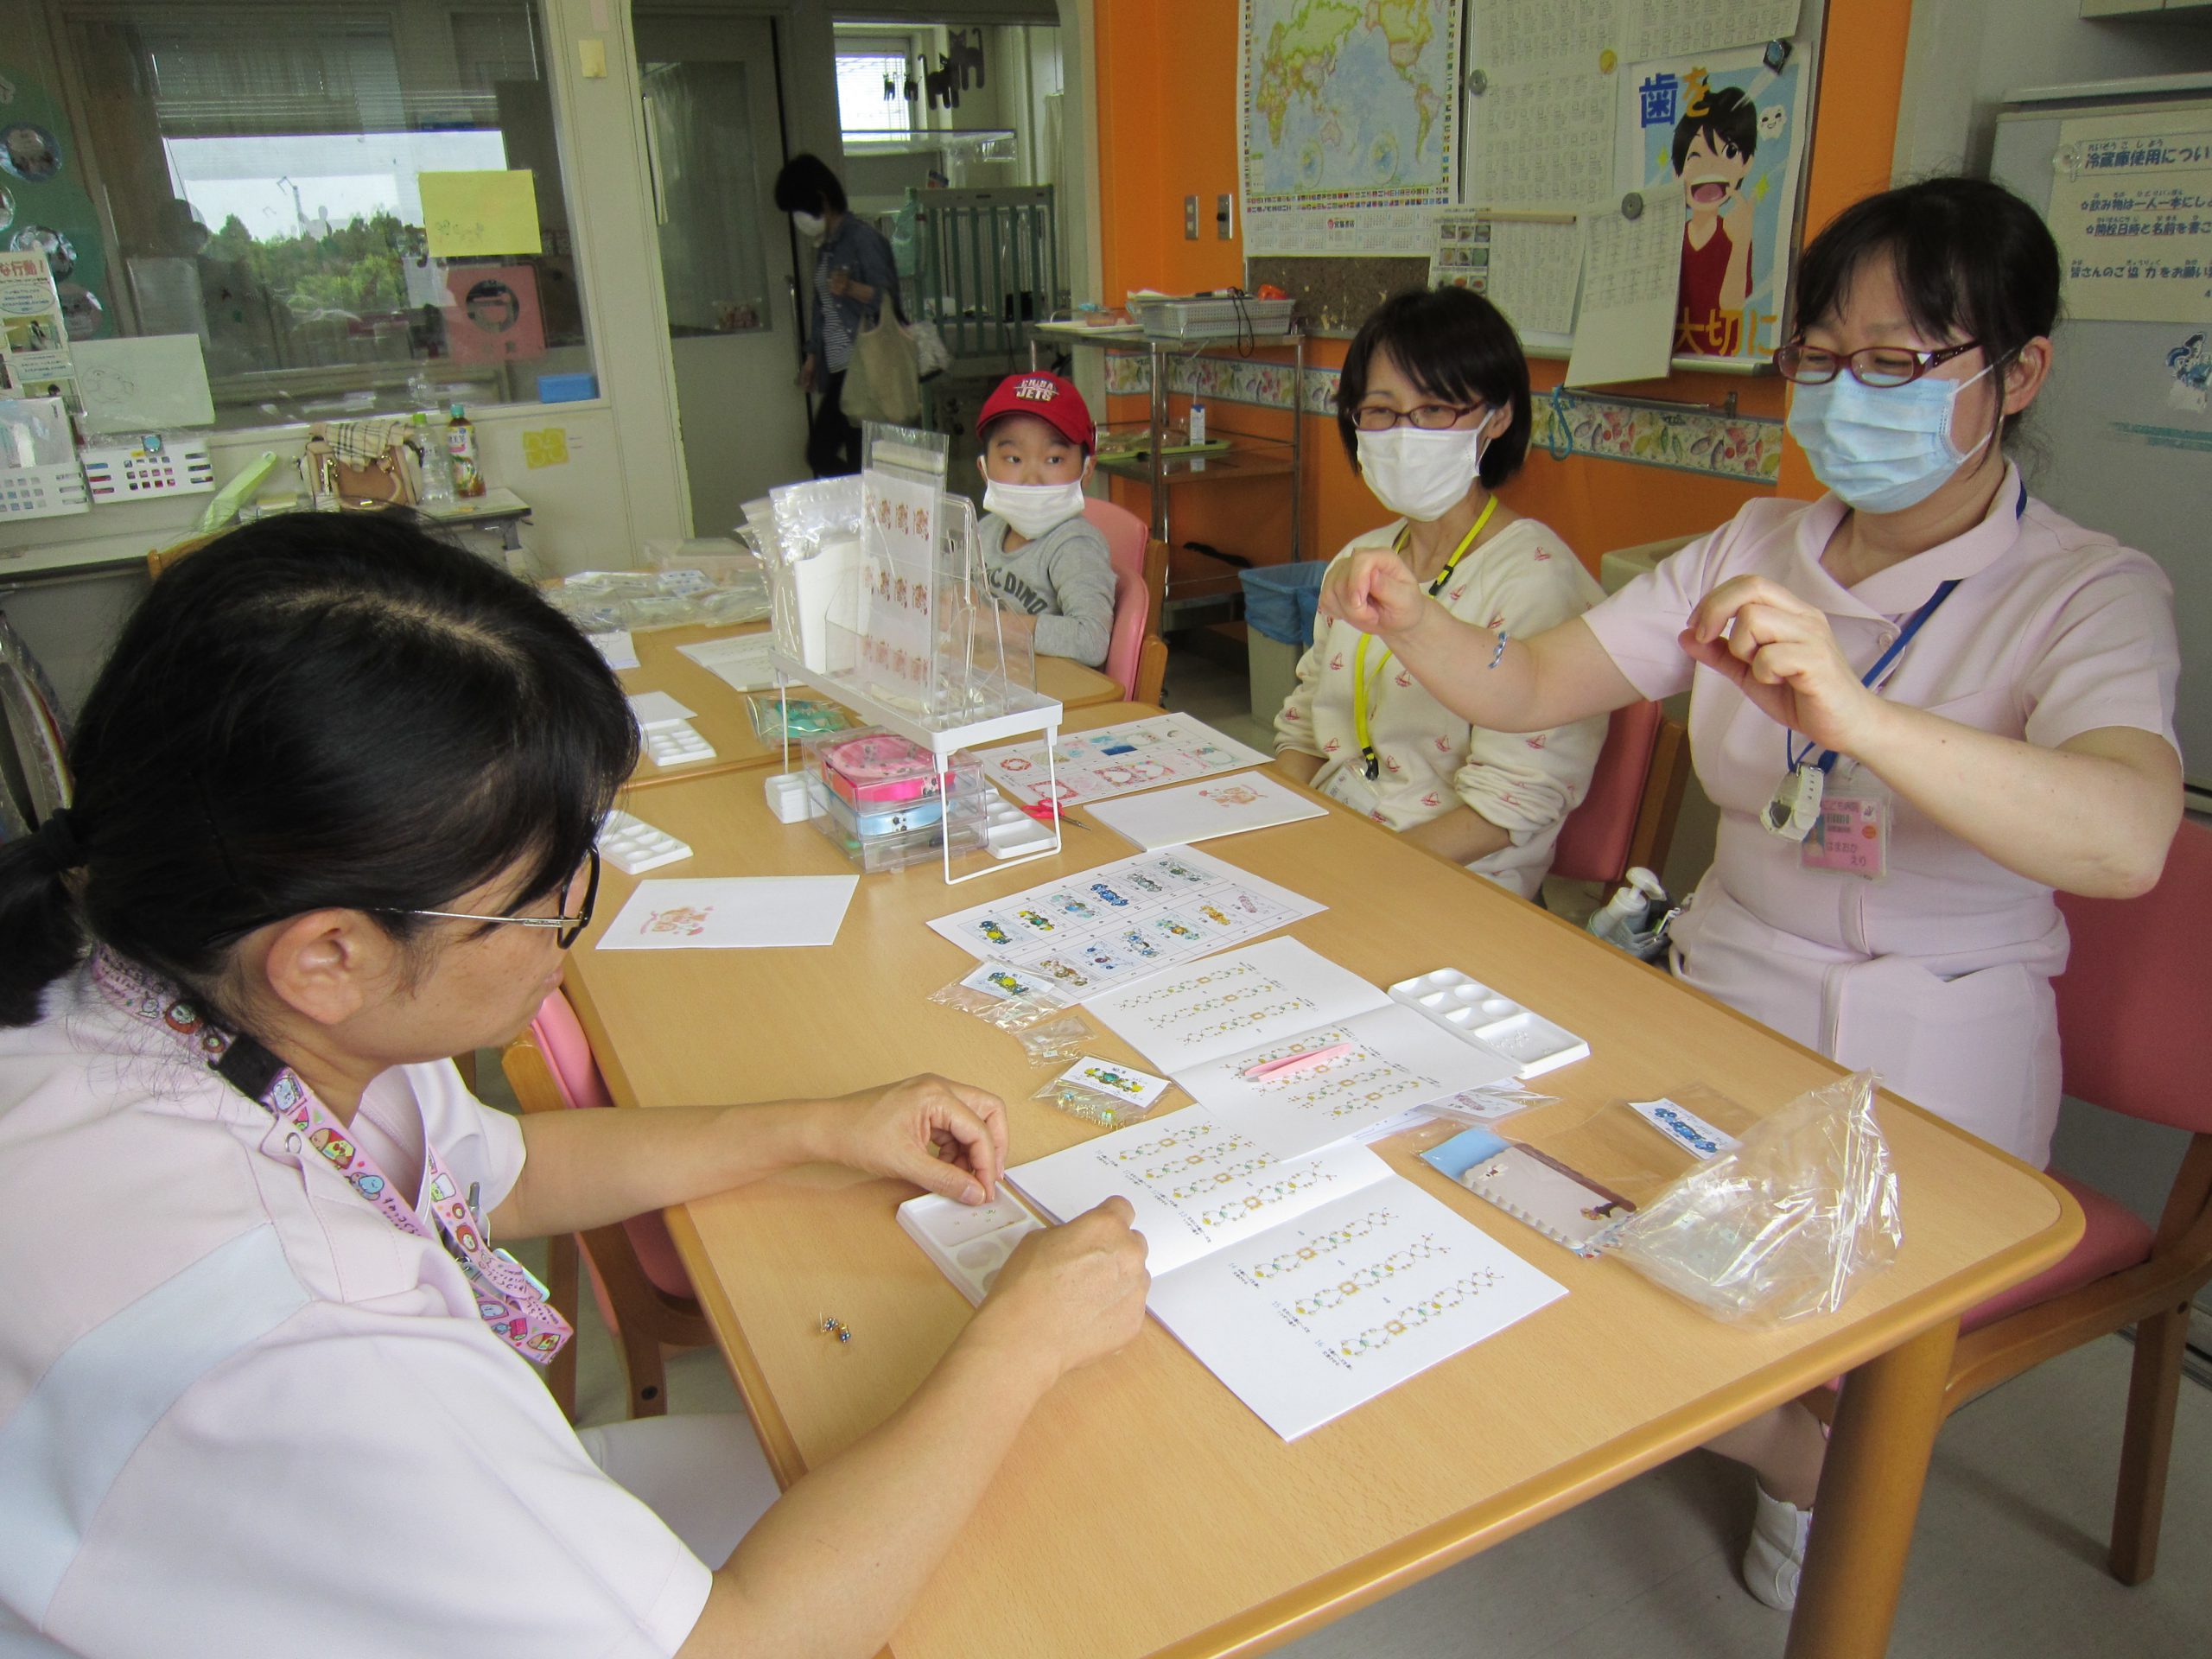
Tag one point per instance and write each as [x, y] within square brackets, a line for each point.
[1211, 1026]
[1117, 760]
[1103, 928]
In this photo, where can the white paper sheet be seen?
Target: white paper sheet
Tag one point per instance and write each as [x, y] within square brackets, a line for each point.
[1543, 141]
[1674, 29]
[1396, 1062]
[1328, 1309]
[732, 912]
[1194, 1182]
[1230, 1002]
[1118, 759]
[653, 708]
[1225, 806]
[1624, 325]
[1104, 928]
[157, 382]
[741, 662]
[617, 647]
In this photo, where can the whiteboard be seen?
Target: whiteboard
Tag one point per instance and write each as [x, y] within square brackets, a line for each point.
[2115, 450]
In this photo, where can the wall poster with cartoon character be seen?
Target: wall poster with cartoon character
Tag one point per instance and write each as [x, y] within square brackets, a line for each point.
[1729, 128]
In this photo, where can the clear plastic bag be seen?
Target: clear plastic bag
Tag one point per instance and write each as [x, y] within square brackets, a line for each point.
[1010, 998]
[1488, 1105]
[1055, 1042]
[777, 720]
[1105, 1092]
[1786, 1224]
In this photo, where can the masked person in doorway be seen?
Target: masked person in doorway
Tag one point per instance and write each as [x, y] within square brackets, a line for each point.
[1921, 704]
[1433, 404]
[1043, 557]
[854, 280]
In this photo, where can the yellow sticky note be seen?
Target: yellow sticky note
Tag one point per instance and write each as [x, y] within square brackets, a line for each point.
[466, 213]
[591, 55]
[546, 447]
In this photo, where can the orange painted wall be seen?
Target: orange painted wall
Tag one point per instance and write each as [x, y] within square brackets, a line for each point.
[1168, 127]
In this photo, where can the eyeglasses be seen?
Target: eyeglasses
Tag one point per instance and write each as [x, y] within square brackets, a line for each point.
[570, 927]
[1869, 365]
[1429, 417]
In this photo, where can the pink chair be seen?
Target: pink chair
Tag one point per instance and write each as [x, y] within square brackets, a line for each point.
[2136, 987]
[1136, 657]
[643, 1292]
[1628, 818]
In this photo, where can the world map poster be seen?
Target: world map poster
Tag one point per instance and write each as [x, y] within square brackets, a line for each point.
[1347, 108]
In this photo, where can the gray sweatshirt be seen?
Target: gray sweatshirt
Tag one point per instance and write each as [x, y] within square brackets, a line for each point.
[1064, 579]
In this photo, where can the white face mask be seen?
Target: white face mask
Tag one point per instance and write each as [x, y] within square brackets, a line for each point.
[1033, 509]
[811, 225]
[1421, 475]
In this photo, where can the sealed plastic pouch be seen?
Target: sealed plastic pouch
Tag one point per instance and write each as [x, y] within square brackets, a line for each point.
[1102, 1092]
[1787, 1223]
[1013, 999]
[1054, 1042]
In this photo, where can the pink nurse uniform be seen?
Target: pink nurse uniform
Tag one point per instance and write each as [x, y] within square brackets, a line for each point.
[241, 1411]
[1937, 976]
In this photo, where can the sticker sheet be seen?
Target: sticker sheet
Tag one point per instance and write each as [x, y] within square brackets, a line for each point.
[1194, 1181]
[1325, 1310]
[1117, 760]
[1104, 928]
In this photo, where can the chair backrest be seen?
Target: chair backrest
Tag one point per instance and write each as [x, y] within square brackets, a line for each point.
[2135, 993]
[560, 1037]
[1593, 843]
[1126, 542]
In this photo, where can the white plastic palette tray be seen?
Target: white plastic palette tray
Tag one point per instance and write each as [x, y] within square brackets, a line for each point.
[969, 1243]
[1010, 832]
[633, 846]
[676, 744]
[1466, 1006]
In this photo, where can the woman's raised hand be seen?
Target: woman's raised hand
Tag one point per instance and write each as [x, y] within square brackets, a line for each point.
[949, 1137]
[1781, 655]
[1373, 591]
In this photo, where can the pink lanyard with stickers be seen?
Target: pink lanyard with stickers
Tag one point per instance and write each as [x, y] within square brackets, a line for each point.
[512, 1302]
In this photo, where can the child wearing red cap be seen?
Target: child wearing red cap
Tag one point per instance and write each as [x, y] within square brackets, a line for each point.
[1043, 556]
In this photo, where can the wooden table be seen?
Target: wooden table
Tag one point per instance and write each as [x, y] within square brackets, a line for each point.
[724, 722]
[1145, 1510]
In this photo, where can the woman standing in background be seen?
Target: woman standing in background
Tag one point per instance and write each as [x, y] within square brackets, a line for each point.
[853, 277]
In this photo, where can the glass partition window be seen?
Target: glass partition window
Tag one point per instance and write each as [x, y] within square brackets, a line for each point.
[357, 209]
[874, 74]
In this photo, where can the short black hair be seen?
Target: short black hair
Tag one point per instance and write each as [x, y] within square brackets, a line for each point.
[1973, 261]
[320, 710]
[1455, 345]
[1728, 114]
[807, 185]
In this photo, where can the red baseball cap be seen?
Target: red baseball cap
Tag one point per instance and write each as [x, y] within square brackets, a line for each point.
[1050, 398]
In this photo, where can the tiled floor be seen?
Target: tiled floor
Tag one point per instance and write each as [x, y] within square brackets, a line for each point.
[2008, 1562]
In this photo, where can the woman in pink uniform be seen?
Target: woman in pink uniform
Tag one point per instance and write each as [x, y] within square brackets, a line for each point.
[266, 1385]
[1922, 703]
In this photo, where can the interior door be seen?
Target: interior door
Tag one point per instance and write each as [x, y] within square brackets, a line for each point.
[714, 141]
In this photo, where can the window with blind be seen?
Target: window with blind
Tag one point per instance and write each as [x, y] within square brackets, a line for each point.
[260, 167]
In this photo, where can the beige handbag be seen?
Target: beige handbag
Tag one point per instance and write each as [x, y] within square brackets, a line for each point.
[363, 463]
[883, 381]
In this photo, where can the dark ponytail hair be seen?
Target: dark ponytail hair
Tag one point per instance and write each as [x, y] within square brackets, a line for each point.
[1973, 261]
[322, 710]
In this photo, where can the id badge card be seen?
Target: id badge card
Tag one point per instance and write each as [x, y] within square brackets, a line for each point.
[1344, 782]
[1851, 835]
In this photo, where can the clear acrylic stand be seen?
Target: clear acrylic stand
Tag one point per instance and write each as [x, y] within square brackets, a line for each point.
[914, 641]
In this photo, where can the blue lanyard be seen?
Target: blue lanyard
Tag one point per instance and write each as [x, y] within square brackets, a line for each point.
[1793, 760]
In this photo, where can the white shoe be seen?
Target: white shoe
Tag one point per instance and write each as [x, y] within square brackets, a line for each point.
[1776, 1554]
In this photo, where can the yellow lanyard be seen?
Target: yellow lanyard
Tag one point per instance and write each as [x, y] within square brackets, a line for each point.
[1359, 678]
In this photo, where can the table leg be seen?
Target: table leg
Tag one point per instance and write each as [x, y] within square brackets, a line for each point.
[1886, 1426]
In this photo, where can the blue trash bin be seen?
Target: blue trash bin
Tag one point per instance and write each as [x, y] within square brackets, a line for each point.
[1281, 600]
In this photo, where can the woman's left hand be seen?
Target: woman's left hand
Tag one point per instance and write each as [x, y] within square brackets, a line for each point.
[1781, 655]
[946, 1137]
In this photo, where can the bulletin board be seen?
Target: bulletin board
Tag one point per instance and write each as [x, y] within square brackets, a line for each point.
[1572, 117]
